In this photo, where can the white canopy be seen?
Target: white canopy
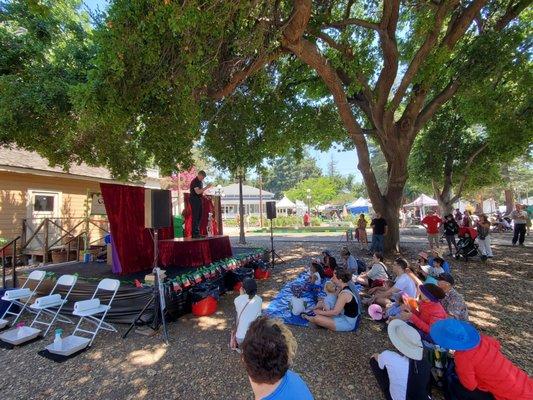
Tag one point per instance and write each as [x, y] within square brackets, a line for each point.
[285, 202]
[360, 202]
[423, 201]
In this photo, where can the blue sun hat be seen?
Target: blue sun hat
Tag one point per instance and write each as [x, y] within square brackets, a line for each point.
[453, 334]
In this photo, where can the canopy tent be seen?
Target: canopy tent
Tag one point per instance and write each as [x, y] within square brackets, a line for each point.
[301, 207]
[285, 206]
[359, 206]
[422, 202]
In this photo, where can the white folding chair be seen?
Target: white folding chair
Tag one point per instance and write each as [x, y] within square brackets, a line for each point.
[21, 297]
[52, 304]
[97, 315]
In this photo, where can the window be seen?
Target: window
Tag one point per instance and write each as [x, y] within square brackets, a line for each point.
[43, 203]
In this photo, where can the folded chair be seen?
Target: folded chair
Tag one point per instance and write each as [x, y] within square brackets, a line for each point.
[94, 312]
[21, 297]
[52, 304]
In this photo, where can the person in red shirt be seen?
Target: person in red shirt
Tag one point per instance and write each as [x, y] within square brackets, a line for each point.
[307, 219]
[429, 309]
[483, 371]
[432, 222]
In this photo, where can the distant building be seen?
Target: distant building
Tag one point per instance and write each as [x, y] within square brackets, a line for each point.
[251, 199]
[31, 191]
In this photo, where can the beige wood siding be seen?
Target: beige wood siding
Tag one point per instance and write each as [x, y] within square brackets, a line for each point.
[14, 197]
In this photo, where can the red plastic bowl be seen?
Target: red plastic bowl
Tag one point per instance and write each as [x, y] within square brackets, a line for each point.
[205, 307]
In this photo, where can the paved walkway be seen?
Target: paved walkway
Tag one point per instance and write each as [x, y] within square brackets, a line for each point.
[408, 235]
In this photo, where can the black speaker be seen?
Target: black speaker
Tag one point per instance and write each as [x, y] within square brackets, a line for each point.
[271, 209]
[157, 208]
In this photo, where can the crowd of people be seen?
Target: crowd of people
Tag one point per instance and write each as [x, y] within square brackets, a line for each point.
[426, 316]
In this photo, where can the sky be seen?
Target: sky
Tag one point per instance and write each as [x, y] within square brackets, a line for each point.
[346, 161]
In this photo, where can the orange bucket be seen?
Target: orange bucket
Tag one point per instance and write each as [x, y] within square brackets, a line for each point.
[205, 307]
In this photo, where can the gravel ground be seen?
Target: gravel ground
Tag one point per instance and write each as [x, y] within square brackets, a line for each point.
[197, 363]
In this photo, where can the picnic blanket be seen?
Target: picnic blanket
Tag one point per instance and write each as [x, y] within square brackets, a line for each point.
[279, 306]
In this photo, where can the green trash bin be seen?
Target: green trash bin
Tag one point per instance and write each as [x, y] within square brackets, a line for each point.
[178, 226]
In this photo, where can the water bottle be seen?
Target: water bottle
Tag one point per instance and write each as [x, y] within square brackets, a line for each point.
[58, 341]
[20, 329]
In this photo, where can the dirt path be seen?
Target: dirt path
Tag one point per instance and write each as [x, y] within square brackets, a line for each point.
[197, 363]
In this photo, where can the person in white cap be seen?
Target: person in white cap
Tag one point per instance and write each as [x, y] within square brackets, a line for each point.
[402, 376]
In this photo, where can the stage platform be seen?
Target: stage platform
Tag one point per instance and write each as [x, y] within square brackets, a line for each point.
[193, 252]
[129, 300]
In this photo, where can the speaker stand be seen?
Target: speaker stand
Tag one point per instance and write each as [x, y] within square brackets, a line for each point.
[273, 254]
[157, 299]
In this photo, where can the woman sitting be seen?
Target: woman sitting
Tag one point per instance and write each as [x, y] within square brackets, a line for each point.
[343, 317]
[329, 265]
[483, 372]
[267, 353]
[429, 310]
[377, 275]
[404, 284]
[402, 376]
[247, 307]
[350, 263]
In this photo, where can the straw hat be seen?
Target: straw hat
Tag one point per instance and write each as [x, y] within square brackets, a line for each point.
[375, 311]
[406, 339]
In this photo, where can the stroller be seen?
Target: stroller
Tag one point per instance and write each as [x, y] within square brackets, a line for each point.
[466, 246]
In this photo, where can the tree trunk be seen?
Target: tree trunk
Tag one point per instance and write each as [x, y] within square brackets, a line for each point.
[392, 239]
[242, 239]
[509, 200]
[445, 200]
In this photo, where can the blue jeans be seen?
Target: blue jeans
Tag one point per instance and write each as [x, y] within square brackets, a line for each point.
[377, 243]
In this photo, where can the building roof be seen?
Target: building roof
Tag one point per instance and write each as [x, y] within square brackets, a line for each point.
[247, 191]
[19, 160]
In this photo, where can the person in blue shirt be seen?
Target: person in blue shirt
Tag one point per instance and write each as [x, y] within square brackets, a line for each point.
[267, 353]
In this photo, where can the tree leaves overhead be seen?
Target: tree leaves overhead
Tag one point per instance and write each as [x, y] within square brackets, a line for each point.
[45, 48]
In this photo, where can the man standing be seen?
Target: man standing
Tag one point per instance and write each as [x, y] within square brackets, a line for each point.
[519, 216]
[195, 199]
[379, 230]
[432, 222]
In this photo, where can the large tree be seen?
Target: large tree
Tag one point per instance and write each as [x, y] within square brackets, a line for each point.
[45, 51]
[283, 173]
[387, 66]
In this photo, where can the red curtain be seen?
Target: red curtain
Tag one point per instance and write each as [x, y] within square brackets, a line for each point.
[133, 242]
[194, 253]
[207, 207]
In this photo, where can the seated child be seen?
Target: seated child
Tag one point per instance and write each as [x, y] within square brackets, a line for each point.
[315, 277]
[331, 296]
[328, 303]
[430, 274]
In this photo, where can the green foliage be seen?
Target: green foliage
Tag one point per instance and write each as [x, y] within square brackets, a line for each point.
[283, 173]
[45, 52]
[322, 190]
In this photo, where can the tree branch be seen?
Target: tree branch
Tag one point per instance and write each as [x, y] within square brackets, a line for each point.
[347, 52]
[353, 21]
[436, 189]
[513, 10]
[240, 76]
[433, 106]
[389, 48]
[348, 9]
[310, 55]
[457, 29]
[422, 53]
[464, 177]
